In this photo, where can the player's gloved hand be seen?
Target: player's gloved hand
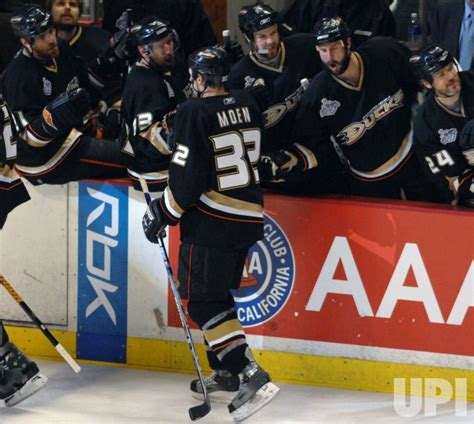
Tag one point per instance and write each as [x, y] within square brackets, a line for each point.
[274, 165]
[153, 222]
[118, 51]
[66, 111]
[119, 44]
[109, 124]
[234, 51]
[466, 188]
[167, 124]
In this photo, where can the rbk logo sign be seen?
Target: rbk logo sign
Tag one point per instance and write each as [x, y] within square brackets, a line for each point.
[103, 258]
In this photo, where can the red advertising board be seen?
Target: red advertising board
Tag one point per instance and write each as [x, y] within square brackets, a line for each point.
[368, 273]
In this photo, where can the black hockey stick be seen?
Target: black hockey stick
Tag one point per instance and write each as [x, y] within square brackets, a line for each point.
[198, 411]
[63, 352]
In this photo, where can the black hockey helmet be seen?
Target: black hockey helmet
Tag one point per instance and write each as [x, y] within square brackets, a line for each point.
[150, 30]
[211, 62]
[328, 30]
[255, 17]
[31, 21]
[430, 60]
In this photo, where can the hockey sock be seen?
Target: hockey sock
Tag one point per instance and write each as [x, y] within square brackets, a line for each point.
[226, 338]
[214, 362]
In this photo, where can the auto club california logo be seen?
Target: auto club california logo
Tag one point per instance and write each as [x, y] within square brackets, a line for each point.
[267, 278]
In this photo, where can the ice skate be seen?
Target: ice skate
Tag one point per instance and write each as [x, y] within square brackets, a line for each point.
[256, 390]
[19, 377]
[220, 386]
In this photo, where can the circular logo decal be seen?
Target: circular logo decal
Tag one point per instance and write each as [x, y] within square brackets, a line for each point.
[267, 279]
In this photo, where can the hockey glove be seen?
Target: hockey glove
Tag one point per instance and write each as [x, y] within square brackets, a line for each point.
[234, 51]
[167, 124]
[109, 125]
[466, 188]
[153, 222]
[274, 165]
[66, 111]
[114, 58]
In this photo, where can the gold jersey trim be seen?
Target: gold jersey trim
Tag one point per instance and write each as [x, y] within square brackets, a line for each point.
[68, 144]
[229, 205]
[153, 135]
[391, 164]
[149, 176]
[77, 35]
[461, 114]
[171, 205]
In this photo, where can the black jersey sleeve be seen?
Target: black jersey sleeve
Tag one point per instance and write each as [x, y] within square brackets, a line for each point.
[310, 133]
[189, 167]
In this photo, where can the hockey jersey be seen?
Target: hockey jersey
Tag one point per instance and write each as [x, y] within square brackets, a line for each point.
[436, 136]
[12, 190]
[147, 97]
[214, 188]
[88, 42]
[369, 123]
[299, 60]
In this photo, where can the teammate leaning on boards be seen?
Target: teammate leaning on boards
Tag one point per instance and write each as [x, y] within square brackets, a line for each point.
[441, 118]
[50, 92]
[214, 193]
[154, 88]
[362, 103]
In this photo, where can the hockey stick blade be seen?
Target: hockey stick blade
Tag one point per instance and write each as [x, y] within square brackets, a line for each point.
[199, 411]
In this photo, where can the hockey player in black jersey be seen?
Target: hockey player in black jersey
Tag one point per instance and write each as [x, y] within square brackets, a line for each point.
[273, 69]
[214, 193]
[442, 117]
[85, 42]
[362, 104]
[19, 377]
[50, 94]
[153, 90]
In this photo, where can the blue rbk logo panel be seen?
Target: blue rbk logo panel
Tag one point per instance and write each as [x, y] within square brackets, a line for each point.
[102, 273]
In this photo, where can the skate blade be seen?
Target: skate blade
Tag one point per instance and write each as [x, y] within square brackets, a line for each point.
[264, 395]
[31, 387]
[216, 397]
